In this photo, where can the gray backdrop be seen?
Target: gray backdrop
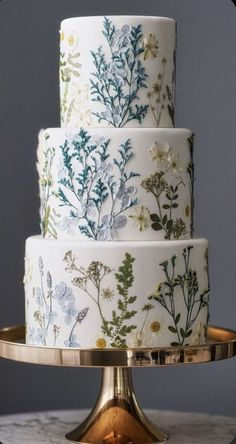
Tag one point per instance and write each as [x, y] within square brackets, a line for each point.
[206, 103]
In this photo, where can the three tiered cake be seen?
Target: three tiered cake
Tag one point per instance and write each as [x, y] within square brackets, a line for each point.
[116, 264]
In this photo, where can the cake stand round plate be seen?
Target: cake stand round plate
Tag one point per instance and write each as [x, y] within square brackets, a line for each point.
[116, 417]
[221, 344]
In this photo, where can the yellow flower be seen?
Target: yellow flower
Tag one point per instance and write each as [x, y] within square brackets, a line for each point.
[101, 343]
[141, 218]
[150, 46]
[62, 35]
[71, 40]
[155, 326]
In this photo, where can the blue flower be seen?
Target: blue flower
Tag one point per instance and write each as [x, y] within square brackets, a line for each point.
[71, 342]
[40, 336]
[99, 140]
[30, 335]
[63, 294]
[119, 221]
[115, 74]
[68, 224]
[121, 38]
[71, 313]
[140, 71]
[50, 315]
[115, 115]
[39, 297]
[125, 194]
[73, 137]
[105, 171]
[108, 223]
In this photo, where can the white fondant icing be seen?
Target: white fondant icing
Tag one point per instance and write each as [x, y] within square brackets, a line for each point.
[117, 294]
[126, 184]
[117, 71]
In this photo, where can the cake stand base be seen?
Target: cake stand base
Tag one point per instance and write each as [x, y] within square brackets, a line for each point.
[116, 417]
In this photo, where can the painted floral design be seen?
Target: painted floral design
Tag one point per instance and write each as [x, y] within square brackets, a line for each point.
[186, 287]
[116, 82]
[190, 170]
[49, 300]
[166, 195]
[114, 331]
[74, 97]
[161, 96]
[141, 217]
[100, 193]
[49, 218]
[150, 46]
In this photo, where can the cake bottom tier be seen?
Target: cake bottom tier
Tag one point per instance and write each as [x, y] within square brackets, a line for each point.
[116, 294]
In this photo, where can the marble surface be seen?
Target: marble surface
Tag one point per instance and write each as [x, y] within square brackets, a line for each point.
[50, 427]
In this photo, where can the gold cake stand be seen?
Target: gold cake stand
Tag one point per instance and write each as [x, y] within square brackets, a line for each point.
[116, 417]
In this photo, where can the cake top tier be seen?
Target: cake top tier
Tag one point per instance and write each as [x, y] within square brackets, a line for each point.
[128, 18]
[117, 71]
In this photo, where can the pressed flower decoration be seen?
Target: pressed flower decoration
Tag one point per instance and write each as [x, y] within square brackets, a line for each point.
[96, 189]
[47, 298]
[165, 194]
[161, 95]
[74, 97]
[141, 218]
[150, 46]
[183, 285]
[46, 155]
[114, 331]
[116, 81]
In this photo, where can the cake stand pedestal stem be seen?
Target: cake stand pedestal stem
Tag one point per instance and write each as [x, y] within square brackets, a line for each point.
[116, 417]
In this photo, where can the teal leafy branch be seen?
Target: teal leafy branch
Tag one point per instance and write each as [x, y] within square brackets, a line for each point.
[172, 288]
[96, 186]
[116, 82]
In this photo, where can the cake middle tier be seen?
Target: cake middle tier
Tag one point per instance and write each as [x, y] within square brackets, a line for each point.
[116, 294]
[116, 184]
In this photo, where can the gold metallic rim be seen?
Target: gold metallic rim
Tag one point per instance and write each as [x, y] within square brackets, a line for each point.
[221, 345]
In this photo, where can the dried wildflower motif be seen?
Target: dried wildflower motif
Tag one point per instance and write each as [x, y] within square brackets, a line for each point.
[161, 96]
[28, 272]
[185, 286]
[141, 218]
[190, 171]
[69, 70]
[114, 331]
[199, 335]
[107, 294]
[162, 155]
[48, 217]
[95, 189]
[49, 301]
[165, 194]
[150, 46]
[116, 82]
